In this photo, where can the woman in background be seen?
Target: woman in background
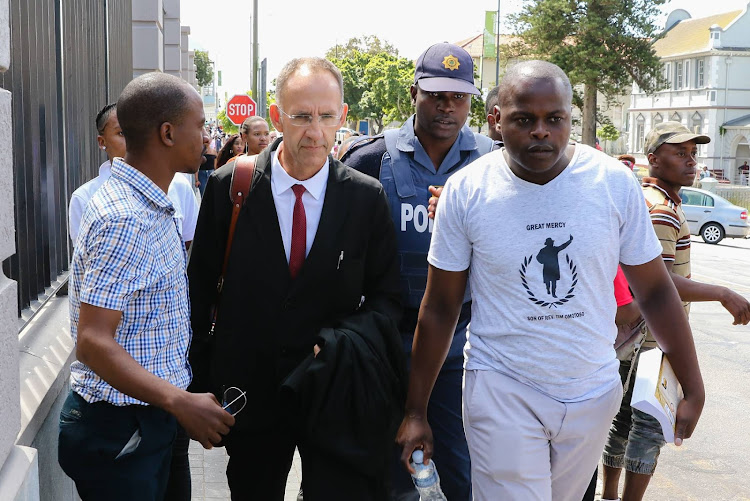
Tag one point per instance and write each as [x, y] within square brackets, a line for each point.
[233, 147]
[255, 134]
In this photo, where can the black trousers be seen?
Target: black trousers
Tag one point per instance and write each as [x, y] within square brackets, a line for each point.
[98, 450]
[179, 486]
[259, 463]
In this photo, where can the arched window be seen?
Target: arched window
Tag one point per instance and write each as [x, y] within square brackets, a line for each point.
[640, 126]
[696, 123]
[658, 119]
[675, 117]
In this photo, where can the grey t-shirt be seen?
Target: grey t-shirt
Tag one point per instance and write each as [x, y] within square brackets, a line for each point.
[543, 259]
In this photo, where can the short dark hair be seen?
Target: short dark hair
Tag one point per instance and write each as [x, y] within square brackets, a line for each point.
[491, 100]
[315, 64]
[534, 69]
[103, 117]
[147, 102]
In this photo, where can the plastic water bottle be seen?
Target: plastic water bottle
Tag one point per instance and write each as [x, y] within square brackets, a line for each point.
[426, 478]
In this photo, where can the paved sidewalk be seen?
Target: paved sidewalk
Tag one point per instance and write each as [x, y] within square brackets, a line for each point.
[208, 473]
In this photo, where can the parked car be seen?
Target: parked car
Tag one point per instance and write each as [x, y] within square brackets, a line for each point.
[713, 217]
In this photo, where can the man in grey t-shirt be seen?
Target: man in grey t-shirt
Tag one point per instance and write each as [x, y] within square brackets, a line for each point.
[541, 382]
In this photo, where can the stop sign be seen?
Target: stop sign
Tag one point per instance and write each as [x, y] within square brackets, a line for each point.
[239, 108]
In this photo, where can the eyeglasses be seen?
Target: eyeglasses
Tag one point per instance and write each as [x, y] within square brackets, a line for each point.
[234, 400]
[306, 120]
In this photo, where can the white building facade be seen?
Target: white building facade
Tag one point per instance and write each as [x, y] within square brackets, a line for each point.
[706, 62]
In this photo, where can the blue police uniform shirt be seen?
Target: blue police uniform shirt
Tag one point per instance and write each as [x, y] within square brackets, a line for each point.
[398, 159]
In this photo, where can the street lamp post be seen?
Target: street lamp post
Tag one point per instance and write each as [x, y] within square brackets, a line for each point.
[497, 45]
[255, 49]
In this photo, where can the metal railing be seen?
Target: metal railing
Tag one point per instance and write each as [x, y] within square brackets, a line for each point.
[68, 59]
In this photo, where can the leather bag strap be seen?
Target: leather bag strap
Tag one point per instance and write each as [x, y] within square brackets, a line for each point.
[242, 178]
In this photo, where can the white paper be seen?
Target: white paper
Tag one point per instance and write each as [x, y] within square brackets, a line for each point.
[657, 391]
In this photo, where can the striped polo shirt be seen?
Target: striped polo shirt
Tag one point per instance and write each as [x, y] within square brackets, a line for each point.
[670, 225]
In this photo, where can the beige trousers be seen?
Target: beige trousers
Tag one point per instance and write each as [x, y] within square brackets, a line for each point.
[527, 446]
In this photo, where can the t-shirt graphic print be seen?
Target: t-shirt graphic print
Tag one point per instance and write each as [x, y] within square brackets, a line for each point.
[542, 261]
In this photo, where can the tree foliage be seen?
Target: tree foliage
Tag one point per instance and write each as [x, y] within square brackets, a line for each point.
[608, 132]
[368, 44]
[477, 114]
[270, 99]
[376, 85]
[204, 72]
[227, 126]
[603, 44]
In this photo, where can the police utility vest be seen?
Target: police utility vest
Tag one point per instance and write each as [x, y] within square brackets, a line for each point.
[406, 180]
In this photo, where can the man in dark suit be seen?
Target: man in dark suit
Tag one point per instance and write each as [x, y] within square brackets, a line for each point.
[314, 244]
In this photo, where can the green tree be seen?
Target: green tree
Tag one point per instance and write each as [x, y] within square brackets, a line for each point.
[477, 115]
[226, 125]
[369, 44]
[608, 132]
[376, 86]
[204, 71]
[270, 99]
[604, 45]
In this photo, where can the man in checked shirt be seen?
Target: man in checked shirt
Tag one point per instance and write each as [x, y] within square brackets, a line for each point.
[129, 309]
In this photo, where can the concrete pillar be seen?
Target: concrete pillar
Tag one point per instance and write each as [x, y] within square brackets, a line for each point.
[191, 78]
[10, 410]
[172, 51]
[184, 48]
[19, 473]
[148, 36]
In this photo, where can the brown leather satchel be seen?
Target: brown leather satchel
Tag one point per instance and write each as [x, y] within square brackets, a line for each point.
[242, 177]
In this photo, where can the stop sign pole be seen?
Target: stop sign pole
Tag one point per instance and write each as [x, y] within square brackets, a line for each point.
[240, 107]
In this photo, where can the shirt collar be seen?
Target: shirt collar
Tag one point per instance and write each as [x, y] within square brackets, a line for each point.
[105, 170]
[664, 187]
[141, 183]
[407, 137]
[282, 181]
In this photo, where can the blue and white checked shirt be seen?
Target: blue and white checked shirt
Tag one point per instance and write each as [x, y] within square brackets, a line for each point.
[130, 257]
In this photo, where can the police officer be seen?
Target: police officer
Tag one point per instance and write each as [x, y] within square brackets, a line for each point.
[431, 145]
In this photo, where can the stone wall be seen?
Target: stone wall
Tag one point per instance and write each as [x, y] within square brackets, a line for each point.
[19, 478]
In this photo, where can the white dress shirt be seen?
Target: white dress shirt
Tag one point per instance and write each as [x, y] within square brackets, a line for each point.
[283, 198]
[180, 193]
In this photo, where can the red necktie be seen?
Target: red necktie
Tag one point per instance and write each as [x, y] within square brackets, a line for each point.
[299, 233]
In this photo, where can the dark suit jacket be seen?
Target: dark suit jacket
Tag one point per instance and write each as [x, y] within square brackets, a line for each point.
[348, 401]
[267, 322]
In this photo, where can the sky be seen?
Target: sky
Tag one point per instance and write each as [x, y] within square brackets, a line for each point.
[294, 28]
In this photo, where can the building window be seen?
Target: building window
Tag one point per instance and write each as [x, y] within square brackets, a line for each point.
[687, 74]
[678, 75]
[639, 132]
[668, 74]
[675, 117]
[700, 71]
[711, 96]
[658, 119]
[697, 123]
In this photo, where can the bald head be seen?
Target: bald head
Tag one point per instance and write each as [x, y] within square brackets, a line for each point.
[532, 70]
[306, 65]
[149, 101]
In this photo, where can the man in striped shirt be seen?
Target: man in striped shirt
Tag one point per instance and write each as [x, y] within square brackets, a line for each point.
[671, 150]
